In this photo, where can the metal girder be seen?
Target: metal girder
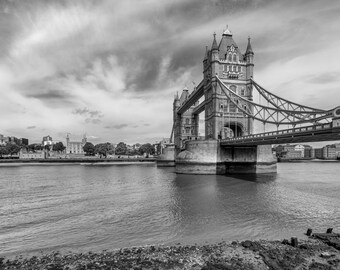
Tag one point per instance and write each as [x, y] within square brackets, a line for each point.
[274, 115]
[282, 103]
[323, 132]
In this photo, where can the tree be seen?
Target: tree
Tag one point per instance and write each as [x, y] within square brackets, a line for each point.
[121, 149]
[58, 147]
[89, 149]
[147, 149]
[12, 148]
[3, 151]
[104, 149]
[34, 147]
[47, 147]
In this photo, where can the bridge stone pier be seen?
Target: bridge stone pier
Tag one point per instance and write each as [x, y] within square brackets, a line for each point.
[208, 157]
[225, 96]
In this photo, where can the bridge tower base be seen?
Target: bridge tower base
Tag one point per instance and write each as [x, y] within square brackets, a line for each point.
[167, 159]
[208, 157]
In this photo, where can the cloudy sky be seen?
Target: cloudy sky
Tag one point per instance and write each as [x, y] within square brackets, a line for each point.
[110, 68]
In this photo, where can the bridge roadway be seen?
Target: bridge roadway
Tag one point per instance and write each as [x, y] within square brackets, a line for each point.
[315, 133]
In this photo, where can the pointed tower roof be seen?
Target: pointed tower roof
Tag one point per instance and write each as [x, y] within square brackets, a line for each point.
[226, 42]
[249, 48]
[227, 32]
[184, 95]
[214, 44]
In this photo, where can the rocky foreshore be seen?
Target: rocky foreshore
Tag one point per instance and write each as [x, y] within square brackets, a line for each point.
[307, 254]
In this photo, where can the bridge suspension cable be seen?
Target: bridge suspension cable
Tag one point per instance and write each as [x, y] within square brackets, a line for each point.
[282, 112]
[282, 103]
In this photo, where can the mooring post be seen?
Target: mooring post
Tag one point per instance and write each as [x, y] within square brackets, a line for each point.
[294, 241]
[329, 230]
[309, 232]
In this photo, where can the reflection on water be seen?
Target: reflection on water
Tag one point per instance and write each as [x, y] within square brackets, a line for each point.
[84, 208]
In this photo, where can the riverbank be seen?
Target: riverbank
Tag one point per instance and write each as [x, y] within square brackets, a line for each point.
[308, 254]
[74, 160]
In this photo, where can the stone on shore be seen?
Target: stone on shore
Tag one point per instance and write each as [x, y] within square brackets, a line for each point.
[247, 255]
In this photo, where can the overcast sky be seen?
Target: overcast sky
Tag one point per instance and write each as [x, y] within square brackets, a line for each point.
[110, 68]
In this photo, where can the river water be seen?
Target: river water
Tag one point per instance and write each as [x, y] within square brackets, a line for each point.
[92, 208]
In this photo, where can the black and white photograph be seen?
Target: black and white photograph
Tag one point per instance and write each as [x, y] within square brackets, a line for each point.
[169, 134]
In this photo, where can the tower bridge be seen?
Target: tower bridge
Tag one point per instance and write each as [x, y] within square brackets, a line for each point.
[225, 96]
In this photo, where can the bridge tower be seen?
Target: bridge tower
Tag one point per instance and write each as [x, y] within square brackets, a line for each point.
[222, 118]
[186, 124]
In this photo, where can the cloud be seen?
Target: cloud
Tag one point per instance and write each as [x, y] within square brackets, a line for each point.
[324, 78]
[118, 126]
[31, 127]
[88, 112]
[93, 121]
[66, 63]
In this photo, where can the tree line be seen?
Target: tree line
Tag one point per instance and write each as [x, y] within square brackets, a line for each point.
[101, 149]
[13, 148]
[105, 149]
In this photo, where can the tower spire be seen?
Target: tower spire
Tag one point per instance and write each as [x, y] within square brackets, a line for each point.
[214, 44]
[227, 32]
[249, 48]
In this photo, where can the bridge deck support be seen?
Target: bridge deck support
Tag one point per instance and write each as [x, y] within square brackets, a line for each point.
[167, 159]
[208, 157]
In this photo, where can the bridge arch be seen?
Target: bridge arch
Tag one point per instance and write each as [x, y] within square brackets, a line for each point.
[232, 129]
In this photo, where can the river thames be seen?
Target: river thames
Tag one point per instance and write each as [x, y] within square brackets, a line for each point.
[93, 208]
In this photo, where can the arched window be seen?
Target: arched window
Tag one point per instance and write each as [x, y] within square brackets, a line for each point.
[233, 88]
[229, 57]
[242, 92]
[239, 69]
[234, 58]
[234, 68]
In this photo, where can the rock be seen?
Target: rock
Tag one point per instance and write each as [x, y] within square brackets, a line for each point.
[326, 255]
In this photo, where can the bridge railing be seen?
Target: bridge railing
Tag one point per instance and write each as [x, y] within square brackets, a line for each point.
[283, 132]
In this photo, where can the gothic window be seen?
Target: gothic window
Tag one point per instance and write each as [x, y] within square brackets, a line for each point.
[232, 107]
[187, 121]
[230, 68]
[233, 88]
[234, 68]
[229, 57]
[239, 69]
[242, 92]
[225, 68]
[234, 58]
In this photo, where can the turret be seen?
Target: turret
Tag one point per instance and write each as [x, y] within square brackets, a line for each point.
[205, 60]
[84, 140]
[67, 139]
[214, 57]
[249, 55]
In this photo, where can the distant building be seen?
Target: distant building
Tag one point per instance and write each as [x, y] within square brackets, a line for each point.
[294, 151]
[23, 141]
[23, 154]
[8, 139]
[2, 140]
[328, 152]
[159, 146]
[309, 151]
[75, 147]
[47, 140]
